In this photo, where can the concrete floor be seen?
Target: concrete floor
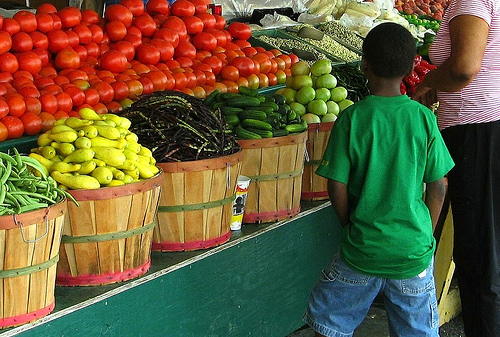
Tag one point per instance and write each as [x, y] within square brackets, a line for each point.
[375, 325]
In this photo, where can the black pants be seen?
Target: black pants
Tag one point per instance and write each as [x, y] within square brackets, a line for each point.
[474, 192]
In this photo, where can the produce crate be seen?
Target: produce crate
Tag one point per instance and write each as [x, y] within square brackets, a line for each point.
[23, 144]
[288, 40]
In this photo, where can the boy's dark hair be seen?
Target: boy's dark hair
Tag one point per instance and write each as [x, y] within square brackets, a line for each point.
[389, 49]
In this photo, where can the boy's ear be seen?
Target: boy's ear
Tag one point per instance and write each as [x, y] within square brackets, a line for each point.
[364, 65]
[411, 69]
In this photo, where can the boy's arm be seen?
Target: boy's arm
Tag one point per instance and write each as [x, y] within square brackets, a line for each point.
[337, 192]
[435, 193]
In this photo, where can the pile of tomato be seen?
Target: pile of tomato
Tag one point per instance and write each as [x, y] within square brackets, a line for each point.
[55, 62]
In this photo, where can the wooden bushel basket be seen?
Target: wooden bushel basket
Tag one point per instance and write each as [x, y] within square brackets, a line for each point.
[196, 203]
[29, 252]
[275, 166]
[314, 187]
[107, 239]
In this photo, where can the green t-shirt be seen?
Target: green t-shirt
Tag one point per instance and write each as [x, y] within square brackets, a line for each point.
[384, 149]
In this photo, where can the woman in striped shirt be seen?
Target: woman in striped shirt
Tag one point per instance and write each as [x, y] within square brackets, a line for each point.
[466, 50]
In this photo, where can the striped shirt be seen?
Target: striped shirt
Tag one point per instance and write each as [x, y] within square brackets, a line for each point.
[479, 102]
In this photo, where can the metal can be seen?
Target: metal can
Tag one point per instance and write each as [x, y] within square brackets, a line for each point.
[215, 8]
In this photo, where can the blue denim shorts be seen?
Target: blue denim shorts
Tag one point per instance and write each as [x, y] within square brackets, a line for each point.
[340, 300]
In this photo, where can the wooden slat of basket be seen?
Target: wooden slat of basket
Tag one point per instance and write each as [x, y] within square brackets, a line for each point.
[251, 167]
[52, 272]
[319, 146]
[38, 280]
[138, 206]
[67, 261]
[83, 223]
[215, 214]
[287, 162]
[16, 288]
[173, 191]
[297, 184]
[146, 238]
[270, 159]
[198, 184]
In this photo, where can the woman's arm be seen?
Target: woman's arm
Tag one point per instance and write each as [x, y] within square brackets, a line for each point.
[468, 35]
[337, 193]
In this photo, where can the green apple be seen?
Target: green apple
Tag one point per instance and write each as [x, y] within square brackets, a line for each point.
[323, 94]
[317, 107]
[338, 94]
[326, 81]
[321, 67]
[328, 118]
[300, 81]
[305, 94]
[289, 95]
[300, 68]
[345, 103]
[311, 118]
[298, 108]
[332, 108]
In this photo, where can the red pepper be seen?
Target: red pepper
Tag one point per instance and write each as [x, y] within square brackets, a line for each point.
[402, 88]
[418, 59]
[421, 70]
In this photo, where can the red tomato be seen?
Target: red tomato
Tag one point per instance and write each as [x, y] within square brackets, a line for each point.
[21, 42]
[3, 132]
[134, 88]
[1, 21]
[27, 20]
[114, 107]
[147, 85]
[30, 61]
[126, 48]
[44, 22]
[70, 16]
[91, 96]
[165, 48]
[84, 33]
[242, 43]
[116, 30]
[208, 20]
[215, 64]
[182, 8]
[97, 33]
[4, 108]
[135, 6]
[168, 35]
[244, 65]
[60, 114]
[5, 41]
[177, 25]
[210, 78]
[105, 91]
[230, 73]
[93, 49]
[57, 21]
[73, 38]
[64, 101]
[43, 54]
[58, 40]
[200, 6]
[8, 63]
[117, 12]
[201, 78]
[191, 79]
[33, 105]
[14, 127]
[46, 8]
[48, 121]
[158, 7]
[147, 53]
[90, 16]
[220, 21]
[185, 49]
[135, 40]
[185, 63]
[82, 53]
[194, 25]
[11, 26]
[16, 103]
[100, 108]
[146, 24]
[49, 103]
[77, 95]
[67, 58]
[158, 78]
[239, 30]
[205, 41]
[120, 90]
[5, 77]
[114, 61]
[32, 124]
[40, 40]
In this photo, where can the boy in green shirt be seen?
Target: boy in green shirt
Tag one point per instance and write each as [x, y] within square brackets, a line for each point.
[381, 152]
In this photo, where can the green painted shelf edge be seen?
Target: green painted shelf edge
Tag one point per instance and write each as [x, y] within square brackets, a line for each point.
[23, 144]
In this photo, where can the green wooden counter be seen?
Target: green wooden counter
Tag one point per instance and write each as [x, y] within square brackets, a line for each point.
[256, 284]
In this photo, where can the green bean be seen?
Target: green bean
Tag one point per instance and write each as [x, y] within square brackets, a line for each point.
[8, 170]
[36, 195]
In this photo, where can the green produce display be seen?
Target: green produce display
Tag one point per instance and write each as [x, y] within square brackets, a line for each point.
[24, 185]
[93, 151]
[252, 115]
[422, 20]
[350, 76]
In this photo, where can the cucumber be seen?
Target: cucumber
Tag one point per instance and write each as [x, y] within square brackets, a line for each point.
[260, 132]
[283, 109]
[280, 133]
[266, 109]
[296, 128]
[248, 91]
[232, 119]
[291, 115]
[270, 99]
[279, 99]
[256, 124]
[228, 95]
[227, 110]
[253, 114]
[242, 133]
[216, 105]
[243, 101]
[270, 104]
[211, 98]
